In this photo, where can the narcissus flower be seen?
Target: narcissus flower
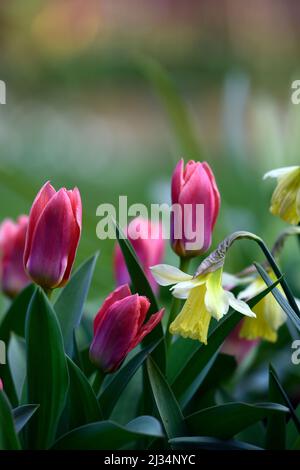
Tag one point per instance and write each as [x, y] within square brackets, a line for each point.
[147, 240]
[53, 235]
[119, 327]
[192, 186]
[12, 242]
[269, 315]
[205, 296]
[285, 200]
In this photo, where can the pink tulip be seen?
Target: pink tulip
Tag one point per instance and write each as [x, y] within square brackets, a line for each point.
[12, 242]
[149, 247]
[1, 385]
[53, 235]
[195, 184]
[236, 346]
[119, 327]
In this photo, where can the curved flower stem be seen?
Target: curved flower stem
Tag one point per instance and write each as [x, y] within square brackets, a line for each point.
[176, 303]
[284, 284]
[48, 292]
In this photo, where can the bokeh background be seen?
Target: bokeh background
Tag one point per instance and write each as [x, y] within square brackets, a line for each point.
[107, 95]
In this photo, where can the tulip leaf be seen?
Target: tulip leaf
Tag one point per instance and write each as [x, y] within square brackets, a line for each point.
[284, 304]
[190, 377]
[108, 435]
[17, 362]
[70, 303]
[83, 407]
[210, 443]
[47, 372]
[166, 402]
[142, 287]
[112, 392]
[22, 415]
[225, 421]
[8, 436]
[14, 321]
[276, 424]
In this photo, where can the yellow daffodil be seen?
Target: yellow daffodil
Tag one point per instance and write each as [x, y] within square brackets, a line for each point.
[269, 315]
[286, 198]
[205, 296]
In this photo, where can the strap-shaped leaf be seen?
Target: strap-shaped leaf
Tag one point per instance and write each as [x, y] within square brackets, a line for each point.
[276, 426]
[70, 303]
[225, 421]
[16, 355]
[166, 402]
[22, 415]
[112, 392]
[47, 372]
[210, 443]
[142, 287]
[8, 436]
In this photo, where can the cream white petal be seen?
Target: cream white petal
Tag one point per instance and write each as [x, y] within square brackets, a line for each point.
[182, 289]
[278, 172]
[230, 281]
[239, 305]
[166, 275]
[253, 289]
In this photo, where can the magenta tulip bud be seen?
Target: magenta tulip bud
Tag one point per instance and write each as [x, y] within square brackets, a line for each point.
[53, 235]
[147, 240]
[1, 385]
[238, 347]
[191, 226]
[12, 243]
[119, 327]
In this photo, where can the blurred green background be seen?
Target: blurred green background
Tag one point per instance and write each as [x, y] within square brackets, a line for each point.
[107, 95]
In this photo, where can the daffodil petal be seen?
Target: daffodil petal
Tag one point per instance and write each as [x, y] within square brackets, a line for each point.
[239, 305]
[166, 275]
[253, 289]
[285, 198]
[216, 300]
[182, 289]
[230, 281]
[278, 172]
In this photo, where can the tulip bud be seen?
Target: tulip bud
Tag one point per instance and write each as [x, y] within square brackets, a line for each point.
[191, 186]
[1, 385]
[12, 242]
[53, 235]
[147, 240]
[119, 327]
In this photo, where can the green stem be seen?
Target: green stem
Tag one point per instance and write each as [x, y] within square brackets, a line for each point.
[284, 284]
[48, 292]
[176, 303]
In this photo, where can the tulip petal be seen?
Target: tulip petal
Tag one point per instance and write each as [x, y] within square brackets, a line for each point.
[217, 197]
[51, 240]
[39, 204]
[118, 294]
[75, 200]
[147, 328]
[144, 307]
[166, 275]
[177, 181]
[115, 334]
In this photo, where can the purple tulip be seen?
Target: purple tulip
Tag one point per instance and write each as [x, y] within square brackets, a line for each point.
[12, 242]
[53, 235]
[119, 327]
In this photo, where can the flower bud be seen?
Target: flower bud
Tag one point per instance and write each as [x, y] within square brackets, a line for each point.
[53, 235]
[119, 327]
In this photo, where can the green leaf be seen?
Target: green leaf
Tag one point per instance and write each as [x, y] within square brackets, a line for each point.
[165, 400]
[276, 428]
[22, 415]
[14, 321]
[17, 362]
[70, 303]
[285, 398]
[176, 109]
[8, 437]
[108, 435]
[47, 373]
[184, 384]
[225, 421]
[112, 392]
[83, 406]
[284, 304]
[142, 287]
[210, 443]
